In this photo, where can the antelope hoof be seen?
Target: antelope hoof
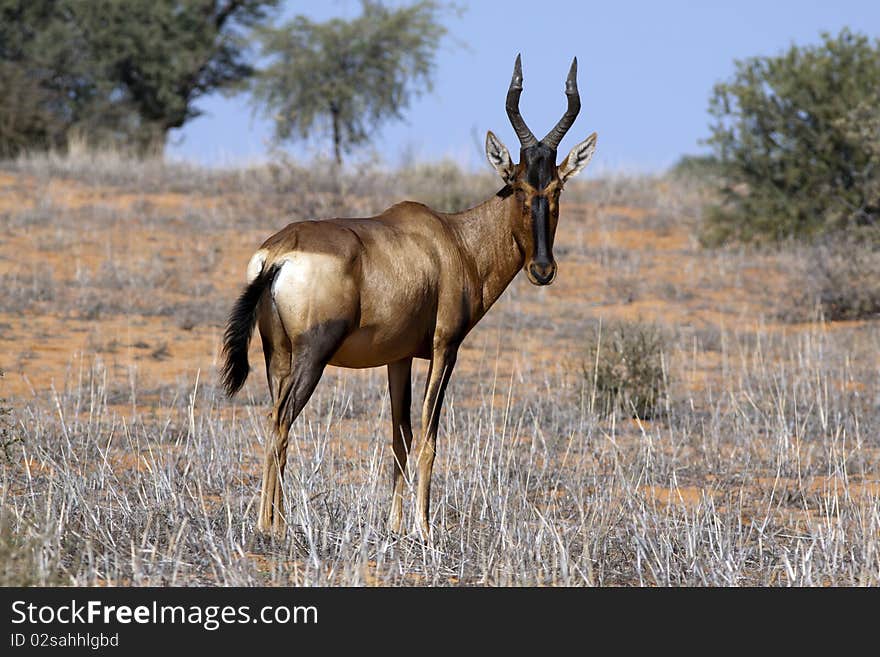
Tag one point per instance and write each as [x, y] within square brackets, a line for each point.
[273, 527]
[264, 524]
[395, 518]
[271, 521]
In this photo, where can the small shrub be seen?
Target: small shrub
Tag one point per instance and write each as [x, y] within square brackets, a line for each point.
[23, 558]
[625, 363]
[17, 558]
[700, 168]
[837, 280]
[7, 437]
[23, 289]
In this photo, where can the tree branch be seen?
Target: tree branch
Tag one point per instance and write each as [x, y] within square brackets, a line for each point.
[226, 12]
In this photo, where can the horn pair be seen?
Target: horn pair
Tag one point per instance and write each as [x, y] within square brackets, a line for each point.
[526, 138]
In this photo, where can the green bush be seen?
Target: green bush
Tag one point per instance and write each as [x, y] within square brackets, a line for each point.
[797, 138]
[625, 364]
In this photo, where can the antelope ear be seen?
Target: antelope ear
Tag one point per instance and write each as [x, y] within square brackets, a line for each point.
[578, 158]
[498, 157]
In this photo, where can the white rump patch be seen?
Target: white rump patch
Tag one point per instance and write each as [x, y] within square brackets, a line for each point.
[305, 286]
[303, 270]
[255, 266]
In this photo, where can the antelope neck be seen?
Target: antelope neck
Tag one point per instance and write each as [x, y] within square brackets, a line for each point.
[487, 236]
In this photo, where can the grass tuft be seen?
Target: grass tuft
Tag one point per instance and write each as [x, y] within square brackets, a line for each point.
[624, 363]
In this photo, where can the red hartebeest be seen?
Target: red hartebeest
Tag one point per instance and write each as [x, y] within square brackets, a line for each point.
[408, 283]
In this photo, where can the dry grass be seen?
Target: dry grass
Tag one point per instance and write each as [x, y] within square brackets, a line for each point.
[133, 469]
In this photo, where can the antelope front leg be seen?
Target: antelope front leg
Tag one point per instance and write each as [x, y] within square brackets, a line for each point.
[400, 390]
[442, 362]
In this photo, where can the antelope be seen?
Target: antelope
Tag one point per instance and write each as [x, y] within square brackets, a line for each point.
[408, 283]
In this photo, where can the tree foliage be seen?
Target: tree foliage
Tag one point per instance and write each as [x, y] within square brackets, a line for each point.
[116, 70]
[797, 139]
[41, 77]
[347, 77]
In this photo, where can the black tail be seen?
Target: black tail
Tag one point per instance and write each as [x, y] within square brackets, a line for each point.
[239, 330]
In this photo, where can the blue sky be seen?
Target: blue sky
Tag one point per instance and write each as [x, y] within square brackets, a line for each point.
[646, 71]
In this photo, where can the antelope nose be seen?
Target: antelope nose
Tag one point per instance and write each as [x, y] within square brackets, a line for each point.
[542, 273]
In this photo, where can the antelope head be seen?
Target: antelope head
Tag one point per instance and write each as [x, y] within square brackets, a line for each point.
[537, 181]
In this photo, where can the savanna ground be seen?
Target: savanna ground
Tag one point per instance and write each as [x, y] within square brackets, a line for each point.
[124, 464]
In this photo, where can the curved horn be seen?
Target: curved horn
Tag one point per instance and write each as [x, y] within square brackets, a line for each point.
[526, 138]
[574, 106]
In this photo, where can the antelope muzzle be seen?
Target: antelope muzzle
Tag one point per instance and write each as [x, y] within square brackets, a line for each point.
[541, 270]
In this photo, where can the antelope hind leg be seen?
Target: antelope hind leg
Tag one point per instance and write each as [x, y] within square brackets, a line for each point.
[309, 322]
